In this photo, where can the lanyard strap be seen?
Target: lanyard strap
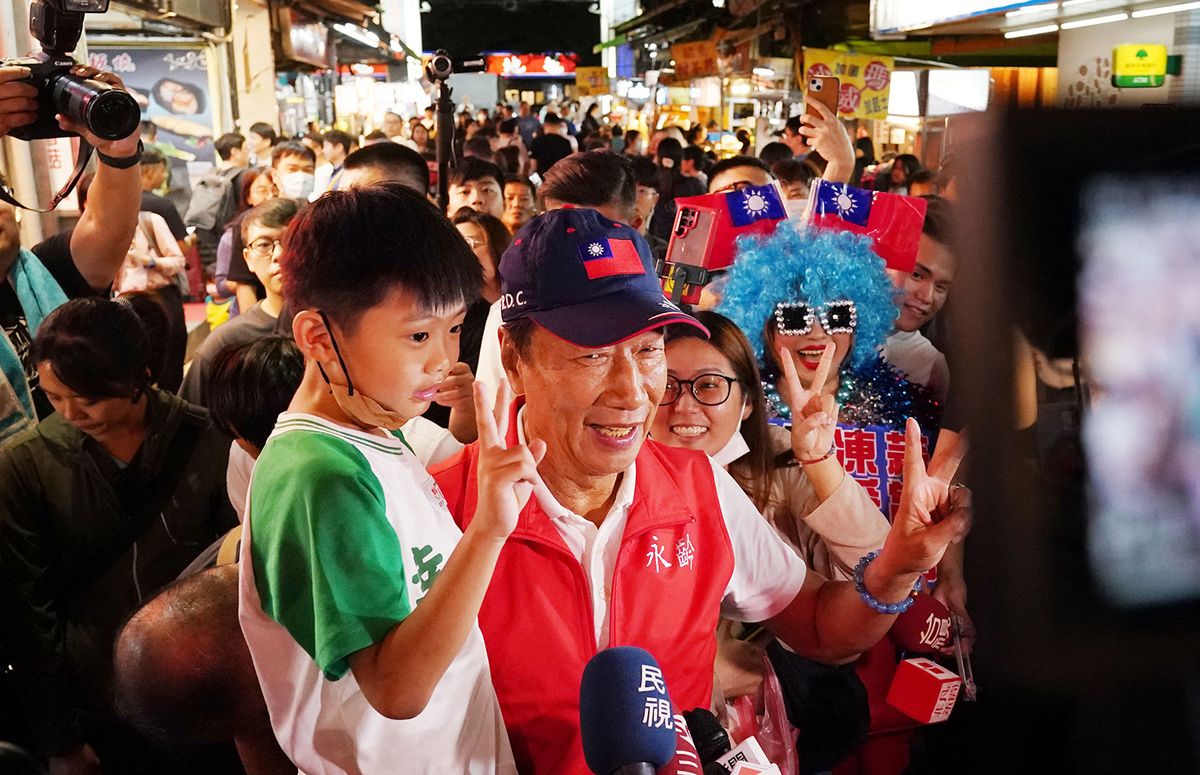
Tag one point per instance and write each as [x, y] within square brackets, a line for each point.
[85, 156]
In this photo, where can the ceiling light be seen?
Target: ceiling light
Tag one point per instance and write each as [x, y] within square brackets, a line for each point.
[1092, 22]
[1165, 9]
[764, 72]
[365, 37]
[1039, 8]
[1072, 3]
[1045, 29]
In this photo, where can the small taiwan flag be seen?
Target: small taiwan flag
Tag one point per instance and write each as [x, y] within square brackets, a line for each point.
[893, 222]
[755, 203]
[610, 257]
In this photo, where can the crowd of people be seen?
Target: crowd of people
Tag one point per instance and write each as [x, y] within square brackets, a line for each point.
[426, 463]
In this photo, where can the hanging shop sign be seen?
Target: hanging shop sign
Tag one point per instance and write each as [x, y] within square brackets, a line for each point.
[695, 60]
[591, 81]
[1139, 66]
[889, 17]
[171, 85]
[376, 70]
[865, 80]
[533, 65]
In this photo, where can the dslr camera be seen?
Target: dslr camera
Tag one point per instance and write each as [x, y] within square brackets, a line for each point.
[106, 111]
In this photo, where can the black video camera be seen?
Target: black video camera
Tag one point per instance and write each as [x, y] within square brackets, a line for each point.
[106, 111]
[441, 65]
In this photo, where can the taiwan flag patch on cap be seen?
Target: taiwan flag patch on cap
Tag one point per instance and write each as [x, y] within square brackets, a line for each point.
[603, 257]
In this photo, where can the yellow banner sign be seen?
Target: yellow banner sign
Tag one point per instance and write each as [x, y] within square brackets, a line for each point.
[693, 60]
[866, 80]
[591, 81]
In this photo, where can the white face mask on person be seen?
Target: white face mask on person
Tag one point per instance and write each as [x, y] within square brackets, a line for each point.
[733, 449]
[795, 208]
[363, 409]
[297, 185]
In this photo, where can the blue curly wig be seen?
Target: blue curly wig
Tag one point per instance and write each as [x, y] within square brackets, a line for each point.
[815, 266]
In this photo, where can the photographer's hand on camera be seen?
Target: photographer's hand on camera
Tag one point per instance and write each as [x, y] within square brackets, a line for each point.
[18, 99]
[117, 149]
[105, 230]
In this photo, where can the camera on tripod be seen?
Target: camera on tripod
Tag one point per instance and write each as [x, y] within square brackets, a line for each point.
[440, 66]
[106, 111]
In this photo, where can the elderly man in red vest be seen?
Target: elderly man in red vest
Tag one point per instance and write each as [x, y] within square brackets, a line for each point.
[631, 542]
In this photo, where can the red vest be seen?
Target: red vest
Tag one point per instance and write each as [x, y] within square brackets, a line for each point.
[672, 569]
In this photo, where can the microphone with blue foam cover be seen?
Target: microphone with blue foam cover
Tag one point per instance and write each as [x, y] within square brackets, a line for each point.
[625, 713]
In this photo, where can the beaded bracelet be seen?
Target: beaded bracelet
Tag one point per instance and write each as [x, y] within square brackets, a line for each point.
[860, 571]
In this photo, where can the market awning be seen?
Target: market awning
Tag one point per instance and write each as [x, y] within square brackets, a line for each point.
[386, 47]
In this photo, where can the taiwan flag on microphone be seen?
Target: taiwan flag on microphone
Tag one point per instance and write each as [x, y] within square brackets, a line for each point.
[604, 257]
[893, 222]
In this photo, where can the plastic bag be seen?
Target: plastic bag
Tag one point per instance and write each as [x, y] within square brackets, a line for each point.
[772, 729]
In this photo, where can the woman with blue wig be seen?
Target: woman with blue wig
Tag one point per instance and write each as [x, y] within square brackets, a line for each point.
[798, 290]
[795, 293]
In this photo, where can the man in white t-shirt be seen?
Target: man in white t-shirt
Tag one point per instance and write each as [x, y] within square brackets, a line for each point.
[630, 542]
[925, 291]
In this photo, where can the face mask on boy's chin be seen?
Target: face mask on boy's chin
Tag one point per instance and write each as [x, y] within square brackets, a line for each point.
[297, 185]
[360, 408]
[364, 410]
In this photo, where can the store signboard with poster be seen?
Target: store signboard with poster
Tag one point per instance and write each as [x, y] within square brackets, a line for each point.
[171, 84]
[866, 80]
[533, 65]
[695, 60]
[377, 71]
[591, 81]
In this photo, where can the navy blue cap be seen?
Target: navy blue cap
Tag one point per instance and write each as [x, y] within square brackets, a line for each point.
[586, 279]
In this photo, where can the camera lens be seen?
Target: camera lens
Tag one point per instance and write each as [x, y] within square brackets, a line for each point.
[107, 112]
[112, 115]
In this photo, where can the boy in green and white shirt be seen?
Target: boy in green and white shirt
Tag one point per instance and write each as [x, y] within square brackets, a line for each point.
[359, 594]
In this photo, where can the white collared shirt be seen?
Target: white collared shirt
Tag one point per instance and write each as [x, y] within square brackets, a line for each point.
[767, 572]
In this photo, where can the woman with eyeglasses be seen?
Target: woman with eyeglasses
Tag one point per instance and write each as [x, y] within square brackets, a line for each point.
[714, 402]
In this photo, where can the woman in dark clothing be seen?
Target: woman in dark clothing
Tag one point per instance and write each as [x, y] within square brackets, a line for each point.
[101, 504]
[895, 180]
[591, 124]
[672, 183]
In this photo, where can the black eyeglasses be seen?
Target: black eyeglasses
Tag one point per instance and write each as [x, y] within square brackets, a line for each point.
[264, 246]
[707, 389]
[797, 319]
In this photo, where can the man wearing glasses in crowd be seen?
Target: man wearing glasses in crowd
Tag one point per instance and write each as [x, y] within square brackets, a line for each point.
[262, 231]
